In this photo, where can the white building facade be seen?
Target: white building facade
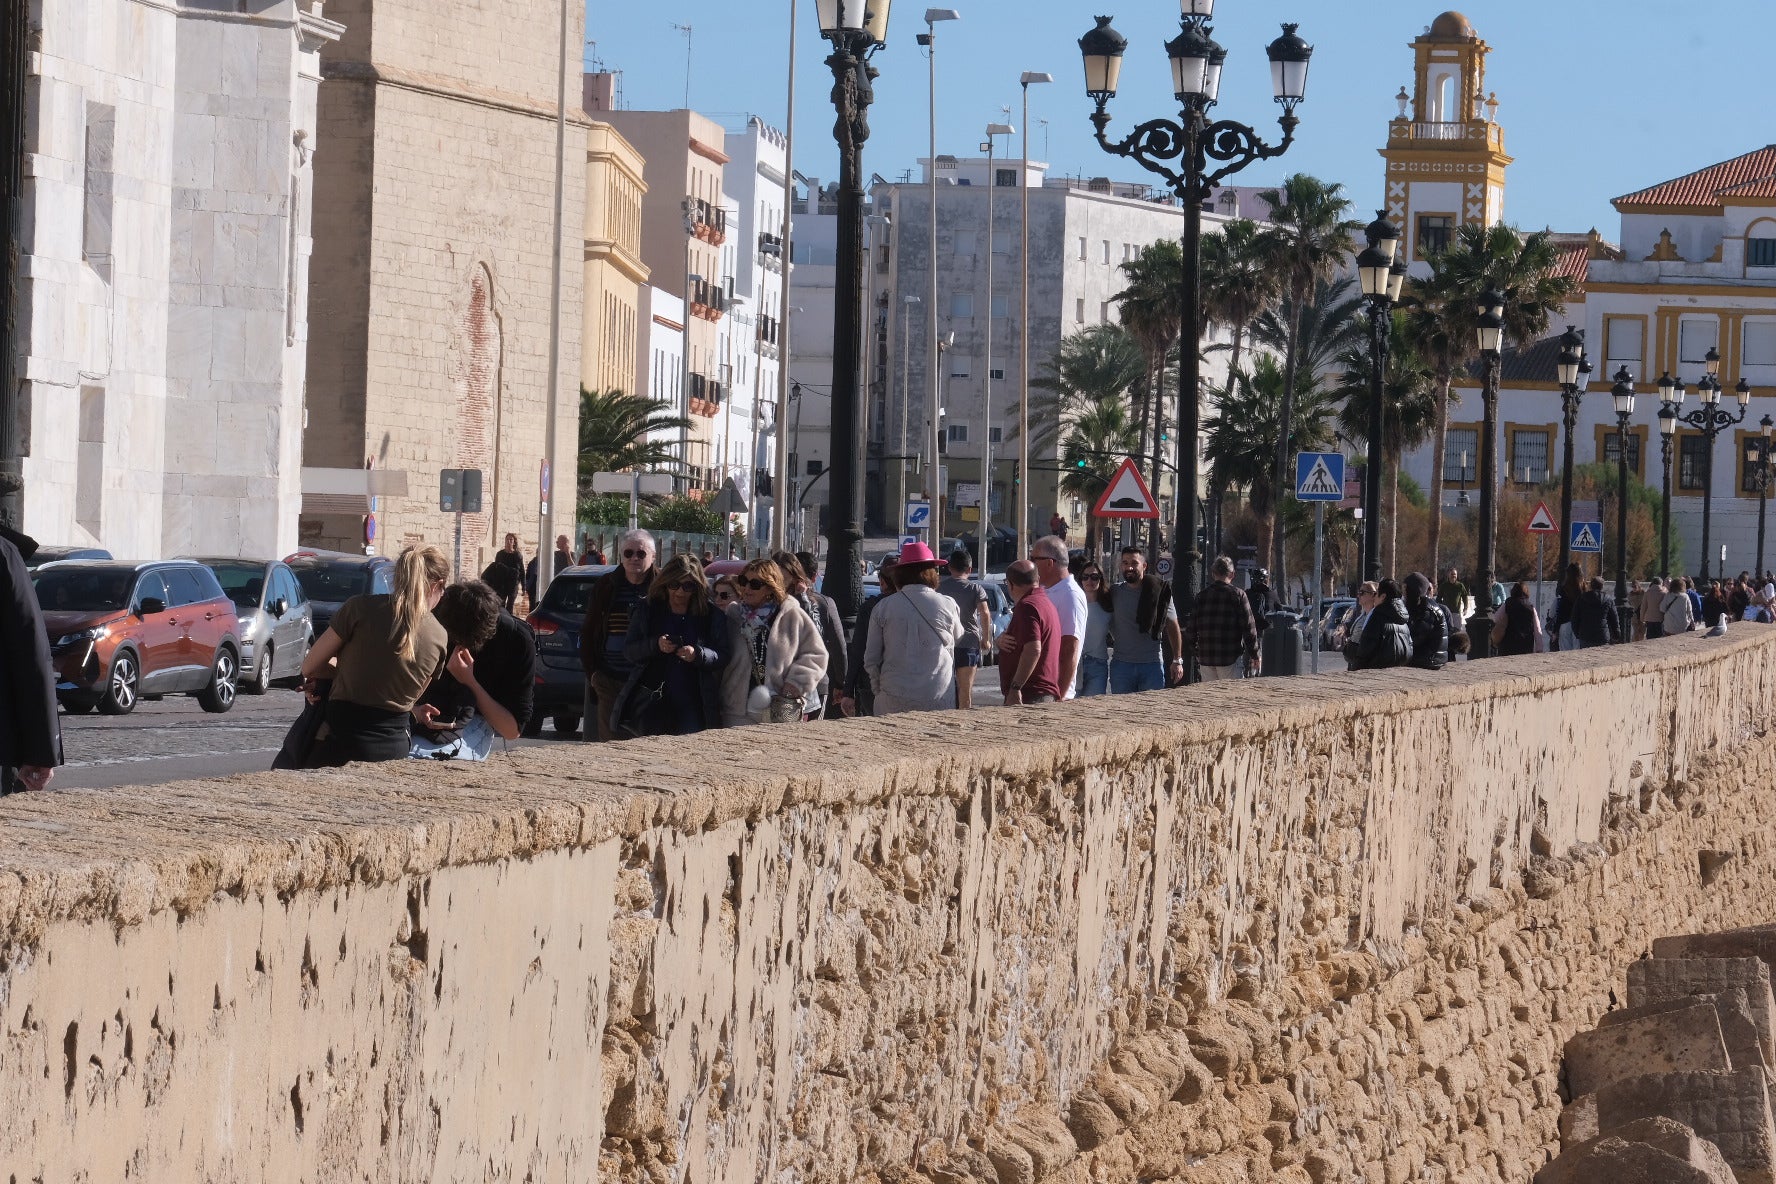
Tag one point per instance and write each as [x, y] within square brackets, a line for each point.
[162, 331]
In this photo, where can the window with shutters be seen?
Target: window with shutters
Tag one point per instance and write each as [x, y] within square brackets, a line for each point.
[1692, 461]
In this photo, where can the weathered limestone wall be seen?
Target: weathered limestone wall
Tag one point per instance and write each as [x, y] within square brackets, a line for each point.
[1326, 929]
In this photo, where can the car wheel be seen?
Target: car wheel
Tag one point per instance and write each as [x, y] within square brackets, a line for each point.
[262, 676]
[124, 688]
[567, 725]
[78, 705]
[218, 696]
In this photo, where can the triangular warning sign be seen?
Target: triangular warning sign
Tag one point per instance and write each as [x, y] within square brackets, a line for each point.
[1542, 521]
[1126, 496]
[1320, 482]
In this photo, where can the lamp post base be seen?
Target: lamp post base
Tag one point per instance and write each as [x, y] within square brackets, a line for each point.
[1479, 633]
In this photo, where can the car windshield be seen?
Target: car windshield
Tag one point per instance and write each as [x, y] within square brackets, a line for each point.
[567, 597]
[242, 582]
[83, 590]
[333, 584]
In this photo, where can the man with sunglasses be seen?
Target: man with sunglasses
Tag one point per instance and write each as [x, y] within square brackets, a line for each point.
[1049, 554]
[613, 599]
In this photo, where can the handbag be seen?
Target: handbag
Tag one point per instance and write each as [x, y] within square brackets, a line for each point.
[639, 705]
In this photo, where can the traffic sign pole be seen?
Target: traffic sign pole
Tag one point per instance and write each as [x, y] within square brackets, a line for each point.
[1313, 643]
[1539, 541]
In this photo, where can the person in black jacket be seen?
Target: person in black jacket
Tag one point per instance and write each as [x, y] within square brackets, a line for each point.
[1594, 617]
[1430, 628]
[1387, 635]
[30, 735]
[488, 687]
[678, 645]
[857, 696]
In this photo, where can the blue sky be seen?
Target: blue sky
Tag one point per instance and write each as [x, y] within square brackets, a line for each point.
[1597, 97]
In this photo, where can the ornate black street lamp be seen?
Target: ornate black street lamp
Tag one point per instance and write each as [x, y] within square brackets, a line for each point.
[1760, 475]
[857, 29]
[1711, 421]
[1194, 156]
[1667, 429]
[1491, 332]
[1572, 370]
[1623, 394]
[1381, 281]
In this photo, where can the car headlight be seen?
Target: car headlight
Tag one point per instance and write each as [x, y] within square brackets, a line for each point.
[247, 625]
[93, 634]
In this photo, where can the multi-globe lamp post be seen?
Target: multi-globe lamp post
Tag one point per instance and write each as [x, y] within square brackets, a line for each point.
[1761, 474]
[1573, 370]
[1623, 395]
[1711, 420]
[1490, 330]
[1667, 430]
[1382, 276]
[857, 29]
[1193, 155]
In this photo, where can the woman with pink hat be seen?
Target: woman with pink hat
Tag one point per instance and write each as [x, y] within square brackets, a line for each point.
[910, 656]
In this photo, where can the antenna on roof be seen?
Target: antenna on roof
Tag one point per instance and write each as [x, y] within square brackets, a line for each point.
[686, 30]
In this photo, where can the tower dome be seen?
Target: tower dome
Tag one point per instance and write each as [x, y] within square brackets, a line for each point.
[1452, 26]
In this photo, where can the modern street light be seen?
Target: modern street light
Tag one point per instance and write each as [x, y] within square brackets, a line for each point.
[1572, 370]
[1198, 146]
[984, 520]
[1375, 272]
[928, 40]
[1711, 421]
[906, 366]
[1491, 334]
[1021, 485]
[1761, 476]
[857, 29]
[1667, 429]
[1623, 394]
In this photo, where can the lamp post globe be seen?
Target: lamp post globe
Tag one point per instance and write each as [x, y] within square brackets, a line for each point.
[1289, 57]
[1102, 48]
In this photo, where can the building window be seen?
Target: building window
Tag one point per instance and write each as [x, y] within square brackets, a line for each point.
[1079, 311]
[959, 365]
[1433, 233]
[1529, 455]
[1695, 338]
[1005, 178]
[1002, 242]
[815, 468]
[962, 305]
[1104, 313]
[1082, 248]
[964, 242]
[101, 144]
[1760, 252]
[1757, 343]
[1106, 250]
[1461, 456]
[1612, 448]
[996, 435]
[998, 373]
[1622, 337]
[1000, 306]
[1692, 461]
[956, 433]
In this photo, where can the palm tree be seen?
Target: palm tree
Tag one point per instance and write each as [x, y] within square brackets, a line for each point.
[1408, 415]
[1441, 329]
[621, 432]
[1151, 307]
[1329, 323]
[1242, 430]
[1093, 365]
[1091, 453]
[1308, 240]
[1522, 268]
[1238, 280]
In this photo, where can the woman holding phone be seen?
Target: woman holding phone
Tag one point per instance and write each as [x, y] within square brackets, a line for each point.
[678, 644]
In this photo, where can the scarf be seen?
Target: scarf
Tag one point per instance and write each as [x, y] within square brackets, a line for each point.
[755, 628]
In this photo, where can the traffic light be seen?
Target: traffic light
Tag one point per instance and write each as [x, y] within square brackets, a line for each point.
[1080, 463]
[1017, 474]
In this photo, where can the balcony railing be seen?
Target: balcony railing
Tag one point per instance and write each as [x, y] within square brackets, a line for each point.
[707, 221]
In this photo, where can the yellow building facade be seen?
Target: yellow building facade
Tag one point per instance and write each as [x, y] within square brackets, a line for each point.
[614, 271]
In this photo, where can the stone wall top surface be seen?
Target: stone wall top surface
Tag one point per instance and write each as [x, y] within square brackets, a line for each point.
[125, 855]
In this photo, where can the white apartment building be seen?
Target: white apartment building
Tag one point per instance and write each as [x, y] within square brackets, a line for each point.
[162, 332]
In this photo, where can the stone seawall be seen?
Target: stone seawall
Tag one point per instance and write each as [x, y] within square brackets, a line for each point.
[1325, 929]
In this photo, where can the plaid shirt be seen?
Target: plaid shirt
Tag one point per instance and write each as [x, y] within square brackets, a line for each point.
[1222, 626]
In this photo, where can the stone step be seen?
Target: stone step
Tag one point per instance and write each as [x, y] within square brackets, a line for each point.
[1647, 1151]
[1730, 1109]
[1656, 980]
[1682, 1039]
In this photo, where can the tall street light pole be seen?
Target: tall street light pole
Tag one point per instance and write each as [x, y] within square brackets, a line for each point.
[1571, 369]
[984, 523]
[1021, 484]
[1667, 429]
[1206, 154]
[933, 464]
[1491, 334]
[1381, 287]
[1762, 474]
[780, 505]
[1711, 421]
[906, 366]
[1623, 394]
[856, 28]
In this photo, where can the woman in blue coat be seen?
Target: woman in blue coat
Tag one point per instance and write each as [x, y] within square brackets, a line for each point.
[679, 646]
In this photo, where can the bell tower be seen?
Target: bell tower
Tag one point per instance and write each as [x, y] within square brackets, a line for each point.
[1446, 151]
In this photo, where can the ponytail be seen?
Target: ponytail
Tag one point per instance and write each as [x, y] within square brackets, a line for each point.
[416, 571]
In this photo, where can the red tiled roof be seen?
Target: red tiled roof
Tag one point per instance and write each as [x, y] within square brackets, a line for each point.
[1575, 261]
[1765, 187]
[1703, 187]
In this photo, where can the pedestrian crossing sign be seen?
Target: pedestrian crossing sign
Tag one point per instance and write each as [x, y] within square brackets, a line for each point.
[1319, 476]
[1542, 521]
[1587, 536]
[1126, 496]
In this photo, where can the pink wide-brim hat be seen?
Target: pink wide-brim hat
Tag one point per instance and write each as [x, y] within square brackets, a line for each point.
[916, 555]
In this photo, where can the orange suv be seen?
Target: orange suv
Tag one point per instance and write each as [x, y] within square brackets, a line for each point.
[123, 632]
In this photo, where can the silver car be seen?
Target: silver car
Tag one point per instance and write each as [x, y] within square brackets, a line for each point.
[275, 619]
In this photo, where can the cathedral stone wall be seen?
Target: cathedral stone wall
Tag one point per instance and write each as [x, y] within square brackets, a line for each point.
[1312, 929]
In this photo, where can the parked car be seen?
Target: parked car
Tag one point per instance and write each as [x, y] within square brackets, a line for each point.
[121, 632]
[45, 555]
[330, 578]
[560, 679]
[999, 606]
[1338, 624]
[275, 621]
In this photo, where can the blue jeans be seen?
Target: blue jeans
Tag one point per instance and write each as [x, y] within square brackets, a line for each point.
[1128, 677]
[1095, 675]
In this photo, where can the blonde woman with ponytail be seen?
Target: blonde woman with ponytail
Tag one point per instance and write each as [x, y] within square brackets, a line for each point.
[380, 653]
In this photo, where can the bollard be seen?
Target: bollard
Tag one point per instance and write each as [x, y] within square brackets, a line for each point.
[1282, 645]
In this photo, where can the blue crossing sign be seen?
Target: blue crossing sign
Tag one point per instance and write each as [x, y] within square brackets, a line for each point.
[1587, 536]
[1319, 476]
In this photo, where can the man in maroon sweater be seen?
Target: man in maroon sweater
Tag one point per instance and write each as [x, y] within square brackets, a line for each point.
[1030, 647]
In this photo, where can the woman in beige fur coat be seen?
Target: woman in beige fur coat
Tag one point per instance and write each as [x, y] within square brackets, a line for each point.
[777, 651]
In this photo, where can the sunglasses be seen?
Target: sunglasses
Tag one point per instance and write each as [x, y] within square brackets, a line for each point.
[724, 594]
[755, 585]
[1090, 577]
[687, 585]
[635, 554]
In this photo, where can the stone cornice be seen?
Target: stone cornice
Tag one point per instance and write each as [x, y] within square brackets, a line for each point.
[444, 87]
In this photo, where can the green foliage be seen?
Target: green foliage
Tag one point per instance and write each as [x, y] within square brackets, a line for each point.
[621, 432]
[1243, 429]
[1095, 365]
[604, 510]
[682, 514]
[1412, 491]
